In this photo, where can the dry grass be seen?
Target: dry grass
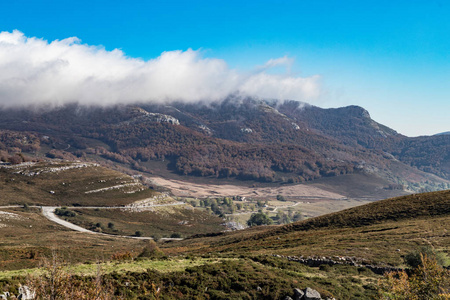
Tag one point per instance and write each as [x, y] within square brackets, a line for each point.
[380, 232]
[182, 188]
[24, 241]
[160, 222]
[68, 187]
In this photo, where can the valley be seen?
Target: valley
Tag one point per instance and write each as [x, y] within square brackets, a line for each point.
[193, 237]
[168, 201]
[224, 150]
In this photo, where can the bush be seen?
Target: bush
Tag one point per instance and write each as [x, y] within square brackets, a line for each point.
[58, 284]
[427, 281]
[259, 218]
[64, 212]
[125, 255]
[151, 250]
[326, 268]
[414, 259]
[281, 198]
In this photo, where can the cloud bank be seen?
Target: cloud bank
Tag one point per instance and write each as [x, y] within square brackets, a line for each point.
[35, 71]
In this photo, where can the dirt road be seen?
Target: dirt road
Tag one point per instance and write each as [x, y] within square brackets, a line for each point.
[49, 213]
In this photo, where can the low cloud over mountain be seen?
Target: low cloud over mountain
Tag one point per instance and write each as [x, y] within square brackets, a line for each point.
[35, 71]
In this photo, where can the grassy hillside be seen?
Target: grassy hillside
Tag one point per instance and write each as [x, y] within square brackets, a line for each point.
[380, 232]
[178, 221]
[26, 237]
[249, 264]
[406, 207]
[68, 183]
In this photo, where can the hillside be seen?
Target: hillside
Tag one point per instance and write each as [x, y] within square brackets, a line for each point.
[340, 254]
[354, 127]
[100, 199]
[245, 139]
[352, 124]
[380, 232]
[414, 206]
[61, 183]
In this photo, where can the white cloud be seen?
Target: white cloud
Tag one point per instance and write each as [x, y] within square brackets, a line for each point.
[281, 61]
[34, 71]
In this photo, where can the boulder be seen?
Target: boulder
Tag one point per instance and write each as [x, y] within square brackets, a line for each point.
[298, 294]
[25, 293]
[311, 294]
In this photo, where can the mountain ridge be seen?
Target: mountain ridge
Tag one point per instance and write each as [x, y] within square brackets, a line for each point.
[443, 133]
[271, 141]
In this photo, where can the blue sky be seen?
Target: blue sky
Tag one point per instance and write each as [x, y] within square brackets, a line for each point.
[391, 57]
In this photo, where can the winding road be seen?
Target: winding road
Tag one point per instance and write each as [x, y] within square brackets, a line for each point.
[49, 213]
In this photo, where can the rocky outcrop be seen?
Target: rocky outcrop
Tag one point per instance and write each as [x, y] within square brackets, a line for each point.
[161, 118]
[311, 294]
[298, 294]
[306, 294]
[246, 130]
[154, 117]
[25, 293]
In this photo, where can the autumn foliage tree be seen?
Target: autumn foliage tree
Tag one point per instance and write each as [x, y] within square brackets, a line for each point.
[428, 281]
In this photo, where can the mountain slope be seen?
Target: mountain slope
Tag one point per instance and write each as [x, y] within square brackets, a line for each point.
[269, 141]
[354, 127]
[68, 184]
[351, 124]
[379, 232]
[443, 133]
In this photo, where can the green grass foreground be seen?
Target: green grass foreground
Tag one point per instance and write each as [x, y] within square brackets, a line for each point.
[120, 267]
[253, 277]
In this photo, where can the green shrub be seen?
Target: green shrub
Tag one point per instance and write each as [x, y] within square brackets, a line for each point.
[151, 250]
[259, 218]
[64, 212]
[325, 268]
[414, 258]
[281, 198]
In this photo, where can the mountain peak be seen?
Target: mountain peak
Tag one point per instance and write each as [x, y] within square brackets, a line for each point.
[443, 133]
[357, 111]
